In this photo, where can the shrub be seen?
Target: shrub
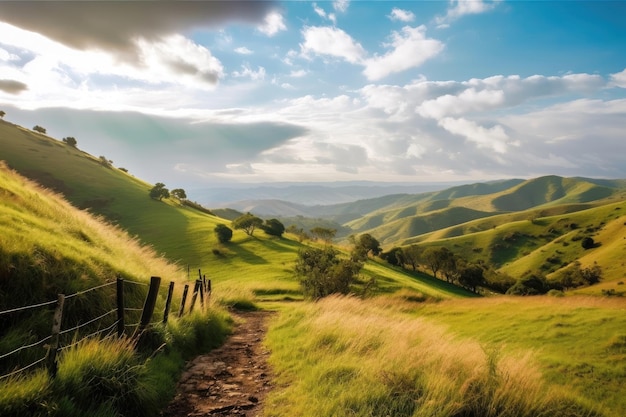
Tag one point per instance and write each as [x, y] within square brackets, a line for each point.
[223, 233]
[587, 242]
[533, 284]
[322, 273]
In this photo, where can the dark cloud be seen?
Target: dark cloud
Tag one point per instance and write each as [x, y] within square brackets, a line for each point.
[114, 25]
[188, 68]
[12, 86]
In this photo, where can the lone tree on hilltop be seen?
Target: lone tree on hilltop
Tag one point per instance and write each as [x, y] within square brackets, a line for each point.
[39, 129]
[179, 193]
[2, 114]
[71, 141]
[224, 233]
[159, 192]
[248, 223]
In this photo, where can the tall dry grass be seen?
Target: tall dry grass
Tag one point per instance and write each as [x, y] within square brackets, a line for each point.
[346, 357]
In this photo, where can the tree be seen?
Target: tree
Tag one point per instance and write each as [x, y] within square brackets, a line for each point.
[224, 233]
[39, 129]
[471, 276]
[248, 222]
[321, 272]
[2, 114]
[365, 245]
[533, 284]
[179, 193]
[412, 255]
[432, 257]
[105, 162]
[395, 256]
[273, 227]
[159, 191]
[587, 242]
[448, 263]
[326, 234]
[71, 141]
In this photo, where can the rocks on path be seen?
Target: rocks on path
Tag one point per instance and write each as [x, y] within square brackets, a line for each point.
[232, 380]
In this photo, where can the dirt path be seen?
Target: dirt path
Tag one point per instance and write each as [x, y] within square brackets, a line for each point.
[229, 381]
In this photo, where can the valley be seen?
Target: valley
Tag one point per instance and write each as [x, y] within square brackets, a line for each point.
[404, 342]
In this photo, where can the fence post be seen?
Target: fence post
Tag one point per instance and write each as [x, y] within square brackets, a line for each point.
[168, 302]
[182, 302]
[195, 294]
[120, 307]
[148, 307]
[201, 288]
[56, 329]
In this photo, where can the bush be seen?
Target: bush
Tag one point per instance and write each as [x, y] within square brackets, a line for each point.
[533, 284]
[223, 233]
[587, 243]
[322, 273]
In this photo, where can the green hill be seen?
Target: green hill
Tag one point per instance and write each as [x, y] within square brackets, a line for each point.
[401, 352]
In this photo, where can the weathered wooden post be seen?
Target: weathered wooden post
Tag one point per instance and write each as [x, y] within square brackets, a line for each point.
[120, 307]
[148, 307]
[184, 299]
[168, 302]
[201, 288]
[196, 288]
[56, 329]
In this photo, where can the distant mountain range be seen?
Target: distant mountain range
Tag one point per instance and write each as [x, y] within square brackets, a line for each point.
[242, 196]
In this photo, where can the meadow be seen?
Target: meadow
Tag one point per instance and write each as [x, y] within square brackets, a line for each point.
[413, 345]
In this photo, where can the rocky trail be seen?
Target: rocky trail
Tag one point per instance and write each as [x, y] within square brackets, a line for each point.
[231, 380]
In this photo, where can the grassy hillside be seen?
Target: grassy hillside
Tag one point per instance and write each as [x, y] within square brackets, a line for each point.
[418, 347]
[401, 219]
[104, 190]
[48, 247]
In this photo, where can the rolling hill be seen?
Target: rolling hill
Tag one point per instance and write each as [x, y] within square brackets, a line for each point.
[320, 347]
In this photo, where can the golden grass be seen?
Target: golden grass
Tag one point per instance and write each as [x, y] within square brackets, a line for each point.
[346, 357]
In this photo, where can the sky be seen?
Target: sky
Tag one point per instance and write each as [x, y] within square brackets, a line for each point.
[198, 93]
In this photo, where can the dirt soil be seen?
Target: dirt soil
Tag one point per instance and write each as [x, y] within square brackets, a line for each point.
[232, 380]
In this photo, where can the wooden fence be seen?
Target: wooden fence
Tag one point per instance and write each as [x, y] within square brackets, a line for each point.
[64, 338]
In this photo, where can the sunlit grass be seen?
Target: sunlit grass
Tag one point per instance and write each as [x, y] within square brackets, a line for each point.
[347, 357]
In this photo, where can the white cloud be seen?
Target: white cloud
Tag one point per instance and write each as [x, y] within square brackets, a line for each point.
[467, 101]
[459, 8]
[341, 5]
[323, 40]
[494, 138]
[619, 79]
[401, 15]
[273, 23]
[243, 51]
[411, 48]
[250, 73]
[180, 57]
[6, 56]
[298, 73]
[322, 13]
[318, 10]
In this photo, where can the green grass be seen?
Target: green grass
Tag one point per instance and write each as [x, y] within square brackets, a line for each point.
[578, 342]
[414, 346]
[347, 357]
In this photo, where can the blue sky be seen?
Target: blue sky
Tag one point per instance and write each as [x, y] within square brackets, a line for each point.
[200, 93]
